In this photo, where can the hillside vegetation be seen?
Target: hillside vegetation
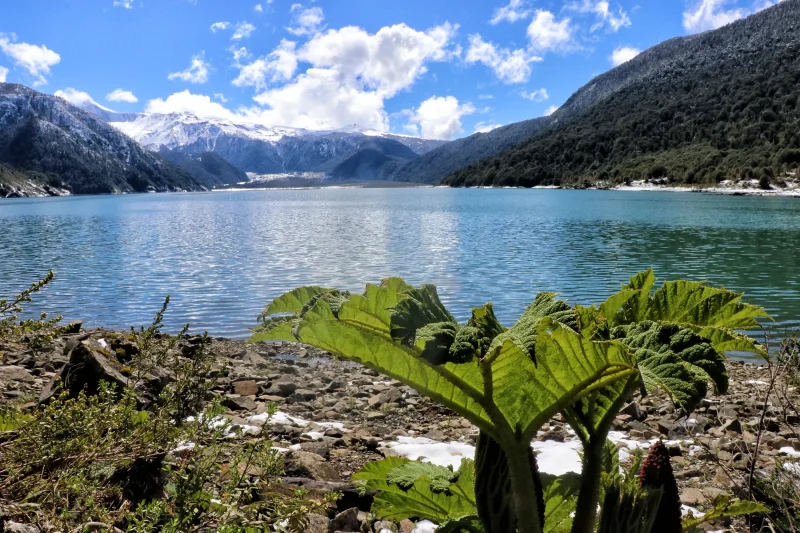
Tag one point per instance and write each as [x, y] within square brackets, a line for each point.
[699, 109]
[52, 142]
[439, 162]
[207, 168]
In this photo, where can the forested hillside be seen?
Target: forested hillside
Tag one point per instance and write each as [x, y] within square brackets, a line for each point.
[54, 143]
[207, 168]
[438, 163]
[699, 109]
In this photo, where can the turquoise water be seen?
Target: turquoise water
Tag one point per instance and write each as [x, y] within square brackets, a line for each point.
[223, 256]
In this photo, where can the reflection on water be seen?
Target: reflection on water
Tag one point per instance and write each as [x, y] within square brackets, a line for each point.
[222, 256]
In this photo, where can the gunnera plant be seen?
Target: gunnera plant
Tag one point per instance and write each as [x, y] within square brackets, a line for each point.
[581, 362]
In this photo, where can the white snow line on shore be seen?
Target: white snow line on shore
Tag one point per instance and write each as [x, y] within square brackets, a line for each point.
[791, 452]
[282, 418]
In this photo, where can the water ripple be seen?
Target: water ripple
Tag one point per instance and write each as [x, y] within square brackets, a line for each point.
[222, 256]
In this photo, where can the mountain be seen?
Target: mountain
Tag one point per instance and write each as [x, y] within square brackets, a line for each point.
[699, 109]
[253, 147]
[207, 168]
[454, 155]
[54, 143]
[377, 159]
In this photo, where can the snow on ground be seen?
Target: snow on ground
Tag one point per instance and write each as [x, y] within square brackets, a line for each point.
[282, 418]
[791, 452]
[424, 526]
[439, 453]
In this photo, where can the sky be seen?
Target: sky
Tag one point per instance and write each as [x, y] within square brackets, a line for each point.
[439, 69]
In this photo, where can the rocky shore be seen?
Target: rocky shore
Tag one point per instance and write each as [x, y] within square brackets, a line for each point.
[335, 416]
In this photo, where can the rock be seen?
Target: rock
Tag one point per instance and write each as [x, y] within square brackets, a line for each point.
[309, 465]
[245, 388]
[85, 370]
[15, 373]
[286, 388]
[16, 527]
[239, 403]
[406, 526]
[384, 526]
[693, 496]
[73, 327]
[633, 410]
[346, 521]
[375, 415]
[317, 524]
[733, 425]
[319, 448]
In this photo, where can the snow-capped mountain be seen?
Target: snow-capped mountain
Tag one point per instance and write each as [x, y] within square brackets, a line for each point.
[48, 141]
[254, 147]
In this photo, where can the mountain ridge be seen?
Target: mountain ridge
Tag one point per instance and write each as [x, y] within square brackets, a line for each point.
[696, 109]
[54, 143]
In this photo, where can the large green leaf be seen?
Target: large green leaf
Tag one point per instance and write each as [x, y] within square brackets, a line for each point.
[419, 499]
[560, 501]
[675, 359]
[568, 367]
[293, 301]
[724, 507]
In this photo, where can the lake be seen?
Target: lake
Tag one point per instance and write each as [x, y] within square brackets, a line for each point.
[223, 256]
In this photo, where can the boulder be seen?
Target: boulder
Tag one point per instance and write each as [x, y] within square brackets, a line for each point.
[309, 465]
[245, 387]
[346, 521]
[84, 371]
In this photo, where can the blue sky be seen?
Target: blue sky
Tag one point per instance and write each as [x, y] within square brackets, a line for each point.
[437, 68]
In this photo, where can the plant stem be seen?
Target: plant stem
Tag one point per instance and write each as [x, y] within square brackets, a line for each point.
[589, 493]
[524, 489]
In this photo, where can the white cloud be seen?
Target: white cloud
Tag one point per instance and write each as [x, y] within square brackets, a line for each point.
[220, 26]
[127, 4]
[623, 54]
[545, 33]
[513, 12]
[306, 21]
[196, 73]
[258, 8]
[711, 14]
[605, 16]
[220, 97]
[279, 65]
[75, 97]
[243, 31]
[485, 96]
[3, 74]
[119, 95]
[37, 60]
[510, 66]
[550, 110]
[539, 95]
[318, 99]
[439, 117]
[484, 127]
[387, 61]
[186, 102]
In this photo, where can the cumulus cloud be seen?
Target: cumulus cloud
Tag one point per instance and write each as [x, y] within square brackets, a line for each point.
[510, 66]
[75, 97]
[220, 26]
[196, 73]
[3, 74]
[243, 31]
[514, 11]
[484, 127]
[539, 95]
[306, 21]
[119, 95]
[439, 117]
[186, 102]
[546, 33]
[605, 16]
[706, 15]
[36, 59]
[387, 61]
[623, 54]
[279, 65]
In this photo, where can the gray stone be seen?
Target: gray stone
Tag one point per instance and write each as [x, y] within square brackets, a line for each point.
[15, 373]
[16, 527]
[384, 526]
[245, 388]
[346, 521]
[309, 465]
